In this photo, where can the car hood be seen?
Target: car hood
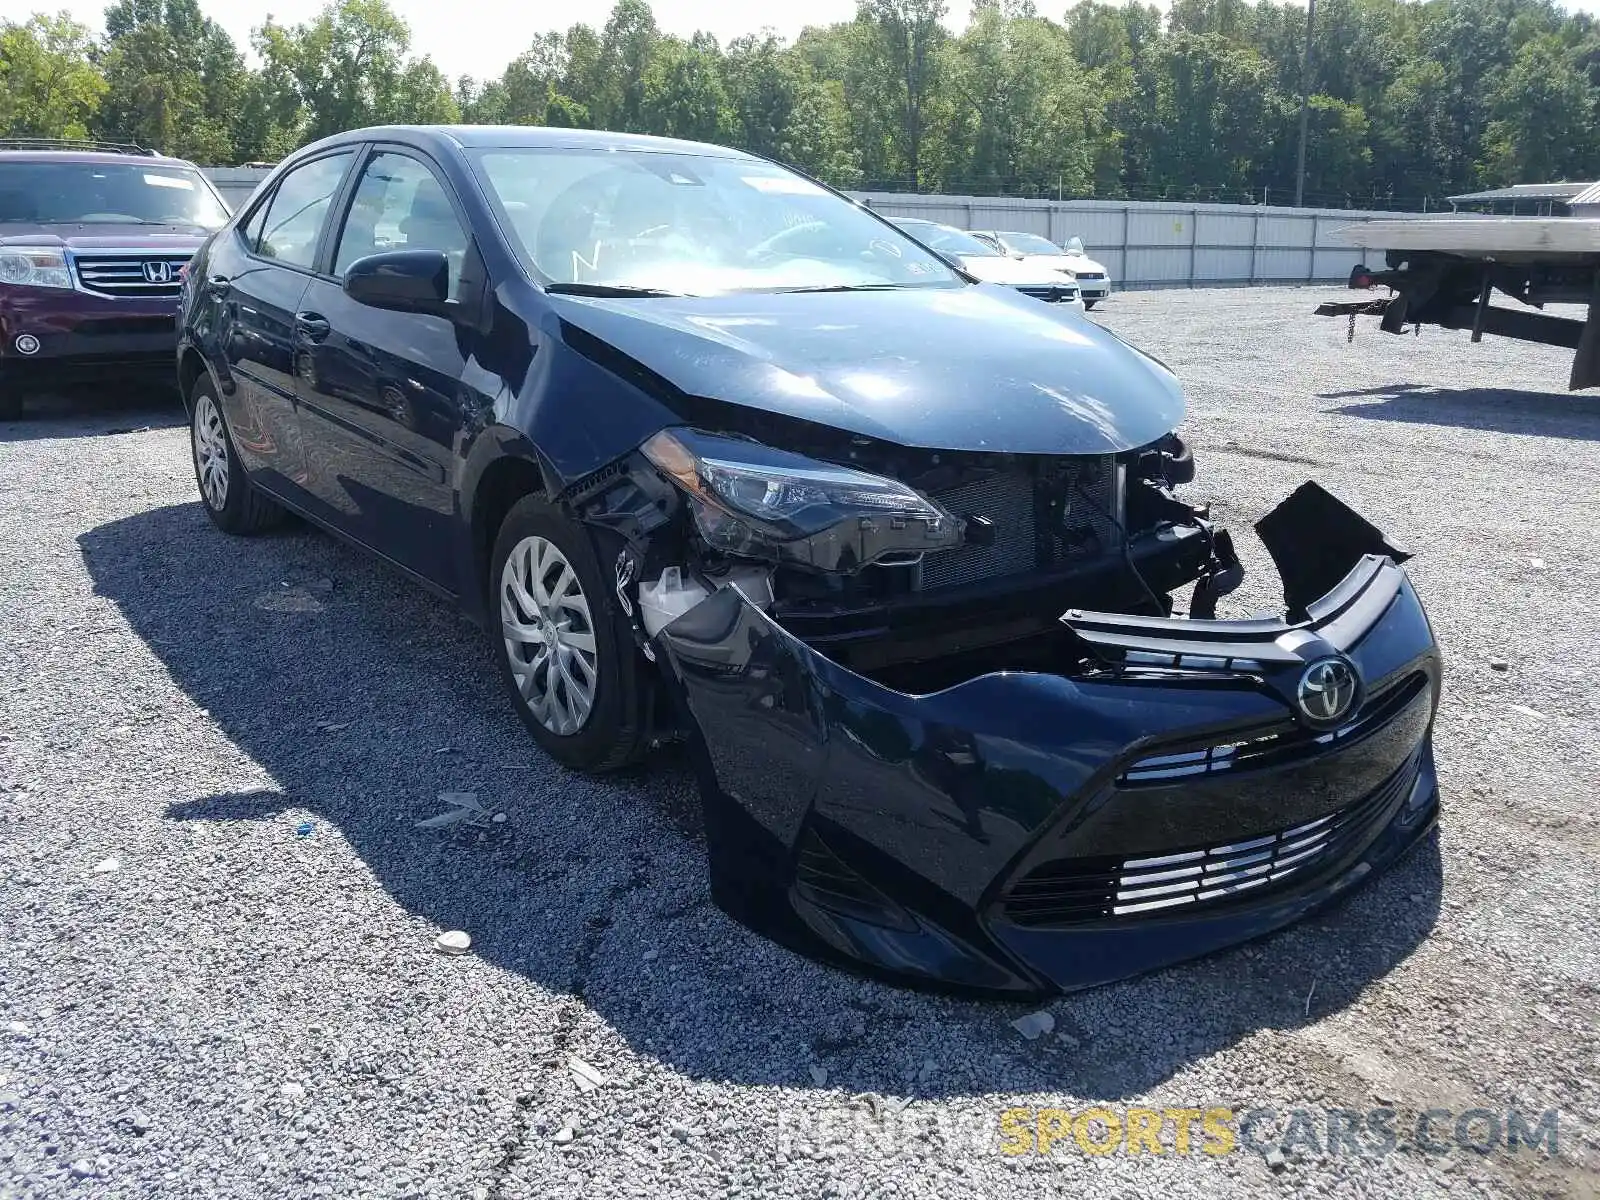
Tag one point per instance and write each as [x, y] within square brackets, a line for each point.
[90, 238]
[1011, 272]
[1061, 262]
[978, 367]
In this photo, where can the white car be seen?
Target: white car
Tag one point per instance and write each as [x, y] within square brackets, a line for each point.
[983, 261]
[1094, 281]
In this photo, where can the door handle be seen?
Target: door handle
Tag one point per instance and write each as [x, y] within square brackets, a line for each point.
[218, 286]
[312, 326]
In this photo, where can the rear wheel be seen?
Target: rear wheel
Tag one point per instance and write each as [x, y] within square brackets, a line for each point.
[566, 653]
[234, 504]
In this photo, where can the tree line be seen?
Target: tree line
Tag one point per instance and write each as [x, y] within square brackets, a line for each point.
[1410, 101]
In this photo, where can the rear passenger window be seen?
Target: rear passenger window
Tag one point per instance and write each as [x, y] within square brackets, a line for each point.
[296, 211]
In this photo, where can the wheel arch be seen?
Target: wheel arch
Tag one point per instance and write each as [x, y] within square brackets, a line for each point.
[499, 484]
[191, 365]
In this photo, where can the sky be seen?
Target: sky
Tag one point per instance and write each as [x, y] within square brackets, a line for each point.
[479, 37]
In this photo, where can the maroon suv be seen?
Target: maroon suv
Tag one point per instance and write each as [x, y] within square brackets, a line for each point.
[92, 244]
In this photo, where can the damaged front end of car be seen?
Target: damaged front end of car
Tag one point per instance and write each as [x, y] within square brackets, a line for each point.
[953, 729]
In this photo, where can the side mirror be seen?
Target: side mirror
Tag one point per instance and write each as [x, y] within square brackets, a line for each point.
[401, 280]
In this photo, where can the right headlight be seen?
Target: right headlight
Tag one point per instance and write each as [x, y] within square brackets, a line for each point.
[753, 500]
[25, 266]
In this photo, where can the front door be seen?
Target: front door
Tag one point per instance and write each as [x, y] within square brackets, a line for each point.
[258, 275]
[382, 400]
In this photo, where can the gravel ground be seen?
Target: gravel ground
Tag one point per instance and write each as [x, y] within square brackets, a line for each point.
[250, 1002]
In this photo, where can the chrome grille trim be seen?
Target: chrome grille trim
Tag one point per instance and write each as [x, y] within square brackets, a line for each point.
[120, 273]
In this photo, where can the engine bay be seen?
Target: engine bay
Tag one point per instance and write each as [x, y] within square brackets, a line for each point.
[914, 567]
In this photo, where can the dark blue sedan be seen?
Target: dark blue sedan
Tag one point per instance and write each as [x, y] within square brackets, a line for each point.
[714, 452]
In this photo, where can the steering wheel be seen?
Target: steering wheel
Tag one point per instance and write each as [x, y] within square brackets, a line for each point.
[776, 246]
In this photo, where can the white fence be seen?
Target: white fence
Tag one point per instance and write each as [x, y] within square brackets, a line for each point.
[1142, 244]
[1155, 244]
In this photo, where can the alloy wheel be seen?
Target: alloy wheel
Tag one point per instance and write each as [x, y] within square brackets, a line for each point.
[549, 635]
[210, 452]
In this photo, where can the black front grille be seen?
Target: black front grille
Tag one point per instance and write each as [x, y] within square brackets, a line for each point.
[1037, 520]
[1075, 891]
[1091, 276]
[125, 275]
[1051, 293]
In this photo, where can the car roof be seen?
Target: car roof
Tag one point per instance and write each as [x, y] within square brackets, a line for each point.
[505, 137]
[90, 156]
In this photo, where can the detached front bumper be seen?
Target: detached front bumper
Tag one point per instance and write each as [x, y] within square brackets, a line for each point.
[1025, 833]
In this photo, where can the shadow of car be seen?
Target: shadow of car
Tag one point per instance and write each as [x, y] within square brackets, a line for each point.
[280, 639]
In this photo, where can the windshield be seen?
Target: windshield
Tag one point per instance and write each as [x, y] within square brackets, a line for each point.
[92, 193]
[950, 241]
[693, 225]
[1030, 243]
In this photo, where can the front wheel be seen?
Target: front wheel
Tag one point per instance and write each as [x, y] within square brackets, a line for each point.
[234, 504]
[1090, 303]
[565, 651]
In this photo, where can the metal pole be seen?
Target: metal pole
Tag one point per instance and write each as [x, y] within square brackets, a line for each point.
[1305, 109]
[1126, 219]
[1194, 234]
[1255, 245]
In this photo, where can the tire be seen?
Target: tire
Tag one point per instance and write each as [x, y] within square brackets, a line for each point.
[234, 504]
[529, 592]
[1090, 303]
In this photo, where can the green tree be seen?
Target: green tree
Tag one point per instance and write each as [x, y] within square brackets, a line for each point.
[908, 37]
[1030, 118]
[48, 88]
[617, 81]
[781, 109]
[1541, 119]
[1215, 105]
[684, 95]
[342, 70]
[174, 80]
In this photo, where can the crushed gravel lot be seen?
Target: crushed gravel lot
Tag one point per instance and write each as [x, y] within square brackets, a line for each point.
[219, 978]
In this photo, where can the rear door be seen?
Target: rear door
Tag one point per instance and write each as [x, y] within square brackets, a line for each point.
[382, 400]
[259, 277]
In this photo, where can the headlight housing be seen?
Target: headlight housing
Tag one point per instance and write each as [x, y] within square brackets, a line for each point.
[752, 500]
[28, 266]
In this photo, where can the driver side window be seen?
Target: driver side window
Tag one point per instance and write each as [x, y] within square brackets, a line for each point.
[399, 205]
[294, 214]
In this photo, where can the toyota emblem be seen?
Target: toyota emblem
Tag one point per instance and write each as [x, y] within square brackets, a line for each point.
[1327, 691]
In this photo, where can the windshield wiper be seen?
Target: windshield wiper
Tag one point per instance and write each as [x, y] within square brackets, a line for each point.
[847, 287]
[605, 289]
